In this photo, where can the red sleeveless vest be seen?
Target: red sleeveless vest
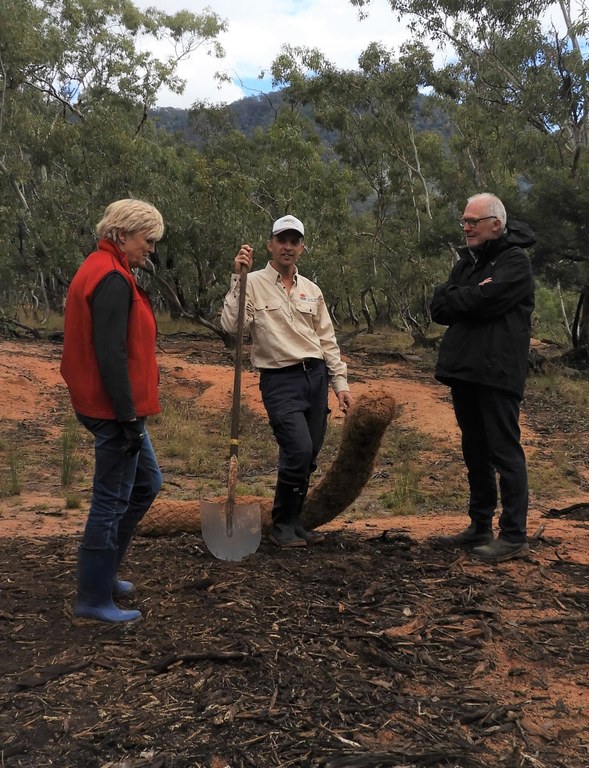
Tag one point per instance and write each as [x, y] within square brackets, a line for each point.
[79, 366]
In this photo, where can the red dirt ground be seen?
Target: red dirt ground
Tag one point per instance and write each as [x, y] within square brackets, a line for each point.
[32, 393]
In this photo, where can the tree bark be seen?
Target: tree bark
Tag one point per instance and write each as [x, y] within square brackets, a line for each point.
[583, 324]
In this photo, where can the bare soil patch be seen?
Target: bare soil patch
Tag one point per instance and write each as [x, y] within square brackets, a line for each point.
[375, 649]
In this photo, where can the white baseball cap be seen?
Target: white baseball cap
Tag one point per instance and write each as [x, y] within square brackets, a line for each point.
[288, 222]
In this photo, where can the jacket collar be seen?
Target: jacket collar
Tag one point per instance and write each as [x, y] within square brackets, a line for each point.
[111, 247]
[487, 249]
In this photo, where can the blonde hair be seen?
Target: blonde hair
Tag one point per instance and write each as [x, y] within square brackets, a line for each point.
[131, 216]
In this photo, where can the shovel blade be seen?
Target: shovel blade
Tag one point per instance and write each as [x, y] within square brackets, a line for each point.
[245, 536]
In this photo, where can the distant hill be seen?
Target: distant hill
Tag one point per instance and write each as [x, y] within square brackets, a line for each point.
[247, 114]
[260, 111]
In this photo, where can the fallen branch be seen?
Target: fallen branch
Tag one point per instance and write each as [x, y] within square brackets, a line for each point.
[9, 326]
[182, 658]
[36, 679]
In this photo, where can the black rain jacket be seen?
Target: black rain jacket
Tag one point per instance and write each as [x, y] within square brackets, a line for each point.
[488, 338]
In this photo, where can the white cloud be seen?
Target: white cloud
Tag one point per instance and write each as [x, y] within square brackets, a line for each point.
[258, 28]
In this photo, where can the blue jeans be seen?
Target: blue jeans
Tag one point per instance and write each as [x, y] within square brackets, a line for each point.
[123, 489]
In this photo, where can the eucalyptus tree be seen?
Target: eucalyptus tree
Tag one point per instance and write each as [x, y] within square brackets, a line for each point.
[514, 59]
[397, 166]
[517, 93]
[281, 168]
[77, 80]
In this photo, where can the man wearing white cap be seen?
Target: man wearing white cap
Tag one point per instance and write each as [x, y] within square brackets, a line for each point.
[295, 349]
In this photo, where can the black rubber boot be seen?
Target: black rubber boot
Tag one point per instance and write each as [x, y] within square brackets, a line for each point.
[96, 572]
[284, 516]
[474, 536]
[311, 537]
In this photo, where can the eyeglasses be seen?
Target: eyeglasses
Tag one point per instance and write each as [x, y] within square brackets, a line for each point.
[473, 222]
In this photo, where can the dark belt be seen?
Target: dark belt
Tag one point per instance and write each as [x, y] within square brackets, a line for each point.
[307, 364]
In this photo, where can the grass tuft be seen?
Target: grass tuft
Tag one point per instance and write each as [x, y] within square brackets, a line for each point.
[70, 440]
[11, 484]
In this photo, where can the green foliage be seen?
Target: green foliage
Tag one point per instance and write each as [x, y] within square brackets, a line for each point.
[74, 89]
[184, 438]
[73, 500]
[402, 454]
[376, 169]
[549, 321]
[15, 465]
[573, 392]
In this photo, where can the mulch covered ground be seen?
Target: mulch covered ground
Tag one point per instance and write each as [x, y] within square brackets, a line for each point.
[357, 654]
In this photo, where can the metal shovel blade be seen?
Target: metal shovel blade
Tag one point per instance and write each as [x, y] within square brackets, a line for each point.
[233, 542]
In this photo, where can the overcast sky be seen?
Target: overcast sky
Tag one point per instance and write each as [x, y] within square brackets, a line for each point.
[258, 28]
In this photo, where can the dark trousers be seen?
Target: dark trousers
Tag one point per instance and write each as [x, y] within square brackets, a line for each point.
[489, 421]
[296, 403]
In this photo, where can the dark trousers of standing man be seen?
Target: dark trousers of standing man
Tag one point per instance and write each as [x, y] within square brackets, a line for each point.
[489, 421]
[295, 399]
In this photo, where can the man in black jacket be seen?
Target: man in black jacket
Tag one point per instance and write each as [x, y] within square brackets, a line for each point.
[487, 305]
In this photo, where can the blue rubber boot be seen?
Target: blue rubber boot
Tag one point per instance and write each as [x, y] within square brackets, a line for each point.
[127, 526]
[121, 588]
[96, 571]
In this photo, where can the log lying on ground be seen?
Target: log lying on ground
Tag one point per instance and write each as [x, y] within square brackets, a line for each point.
[352, 468]
[342, 484]
[169, 517]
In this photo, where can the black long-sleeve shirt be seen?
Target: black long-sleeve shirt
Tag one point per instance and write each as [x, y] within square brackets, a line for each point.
[110, 313]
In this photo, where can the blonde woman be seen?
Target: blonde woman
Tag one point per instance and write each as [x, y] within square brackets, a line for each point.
[109, 365]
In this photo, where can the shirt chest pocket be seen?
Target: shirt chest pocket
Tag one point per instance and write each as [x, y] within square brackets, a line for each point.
[267, 313]
[307, 310]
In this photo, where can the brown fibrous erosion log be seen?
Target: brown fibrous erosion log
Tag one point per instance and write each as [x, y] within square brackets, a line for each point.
[341, 485]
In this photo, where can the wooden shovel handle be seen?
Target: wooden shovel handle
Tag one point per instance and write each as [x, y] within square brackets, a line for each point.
[235, 408]
[234, 445]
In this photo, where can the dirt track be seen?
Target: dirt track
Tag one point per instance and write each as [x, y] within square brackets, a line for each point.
[375, 649]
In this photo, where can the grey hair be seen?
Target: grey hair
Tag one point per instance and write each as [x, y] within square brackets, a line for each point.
[131, 216]
[494, 206]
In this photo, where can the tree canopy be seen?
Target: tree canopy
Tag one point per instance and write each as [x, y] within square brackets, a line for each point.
[378, 161]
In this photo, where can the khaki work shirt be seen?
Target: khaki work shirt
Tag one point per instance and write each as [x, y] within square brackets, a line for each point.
[285, 327]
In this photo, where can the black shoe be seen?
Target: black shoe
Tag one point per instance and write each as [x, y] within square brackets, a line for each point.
[311, 537]
[500, 550]
[470, 537]
[285, 538]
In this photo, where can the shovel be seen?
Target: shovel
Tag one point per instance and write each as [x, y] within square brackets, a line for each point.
[231, 531]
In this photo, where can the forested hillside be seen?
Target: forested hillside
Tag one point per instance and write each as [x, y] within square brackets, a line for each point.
[378, 161]
[259, 112]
